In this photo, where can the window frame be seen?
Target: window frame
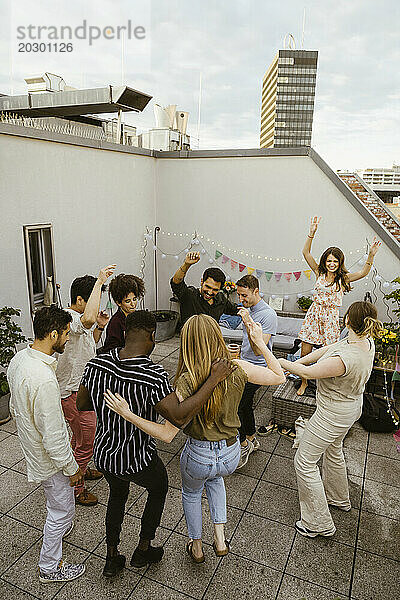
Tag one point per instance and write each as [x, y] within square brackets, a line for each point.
[36, 299]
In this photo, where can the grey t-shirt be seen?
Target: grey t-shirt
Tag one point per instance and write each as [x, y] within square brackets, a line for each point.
[347, 388]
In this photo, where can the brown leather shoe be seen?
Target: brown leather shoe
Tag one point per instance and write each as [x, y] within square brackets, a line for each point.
[92, 474]
[86, 498]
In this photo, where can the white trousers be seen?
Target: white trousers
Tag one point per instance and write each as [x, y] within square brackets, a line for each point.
[324, 435]
[60, 505]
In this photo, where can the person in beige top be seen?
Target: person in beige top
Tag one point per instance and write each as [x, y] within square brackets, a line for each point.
[341, 370]
[212, 449]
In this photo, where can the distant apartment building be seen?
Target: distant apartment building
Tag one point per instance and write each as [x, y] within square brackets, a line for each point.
[287, 103]
[384, 182]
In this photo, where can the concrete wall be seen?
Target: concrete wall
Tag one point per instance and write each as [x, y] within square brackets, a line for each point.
[98, 202]
[261, 206]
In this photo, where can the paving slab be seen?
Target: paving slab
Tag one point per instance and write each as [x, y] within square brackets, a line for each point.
[375, 577]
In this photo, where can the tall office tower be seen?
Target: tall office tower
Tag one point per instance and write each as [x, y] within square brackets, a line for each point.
[287, 103]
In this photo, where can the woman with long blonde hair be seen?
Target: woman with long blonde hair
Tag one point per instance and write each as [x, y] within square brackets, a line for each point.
[341, 370]
[212, 449]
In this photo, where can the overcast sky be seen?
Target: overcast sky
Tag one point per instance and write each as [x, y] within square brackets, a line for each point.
[357, 115]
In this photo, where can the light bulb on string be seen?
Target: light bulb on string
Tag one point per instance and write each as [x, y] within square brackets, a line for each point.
[385, 284]
[163, 256]
[286, 297]
[176, 257]
[203, 251]
[210, 260]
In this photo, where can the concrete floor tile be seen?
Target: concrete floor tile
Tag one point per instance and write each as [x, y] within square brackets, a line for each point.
[355, 486]
[10, 451]
[375, 577]
[379, 535]
[240, 578]
[179, 572]
[276, 503]
[280, 470]
[32, 510]
[89, 527]
[293, 588]
[93, 586]
[174, 473]
[233, 517]
[13, 593]
[383, 469]
[263, 540]
[346, 525]
[173, 511]
[20, 466]
[176, 444]
[355, 460]
[148, 590]
[25, 571]
[239, 489]
[383, 444]
[13, 488]
[16, 538]
[356, 439]
[381, 499]
[9, 427]
[322, 561]
[256, 463]
[268, 443]
[284, 447]
[3, 434]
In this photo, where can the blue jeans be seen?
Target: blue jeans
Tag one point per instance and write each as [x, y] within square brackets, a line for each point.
[206, 464]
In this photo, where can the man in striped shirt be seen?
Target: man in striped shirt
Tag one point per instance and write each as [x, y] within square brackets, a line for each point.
[121, 451]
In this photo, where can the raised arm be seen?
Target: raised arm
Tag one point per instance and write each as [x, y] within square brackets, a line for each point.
[190, 259]
[88, 319]
[180, 413]
[162, 431]
[272, 374]
[368, 263]
[310, 260]
[329, 367]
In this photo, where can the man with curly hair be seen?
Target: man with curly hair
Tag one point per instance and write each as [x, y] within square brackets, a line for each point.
[125, 290]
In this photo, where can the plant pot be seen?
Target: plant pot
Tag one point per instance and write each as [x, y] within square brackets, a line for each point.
[167, 321]
[5, 408]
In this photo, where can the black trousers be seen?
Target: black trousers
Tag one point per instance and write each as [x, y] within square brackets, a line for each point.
[155, 479]
[245, 411]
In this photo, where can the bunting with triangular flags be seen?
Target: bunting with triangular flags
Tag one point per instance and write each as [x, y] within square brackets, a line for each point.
[308, 273]
[250, 270]
[278, 276]
[297, 274]
[233, 264]
[241, 267]
[288, 276]
[218, 254]
[268, 275]
[225, 259]
[259, 273]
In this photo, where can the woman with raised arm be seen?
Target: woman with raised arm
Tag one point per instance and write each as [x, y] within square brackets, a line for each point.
[341, 370]
[321, 323]
[212, 449]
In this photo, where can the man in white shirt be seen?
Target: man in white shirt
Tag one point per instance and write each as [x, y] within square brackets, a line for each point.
[36, 407]
[87, 326]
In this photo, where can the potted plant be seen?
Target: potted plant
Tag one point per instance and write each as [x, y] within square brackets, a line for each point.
[304, 302]
[229, 287]
[386, 344]
[10, 336]
[167, 321]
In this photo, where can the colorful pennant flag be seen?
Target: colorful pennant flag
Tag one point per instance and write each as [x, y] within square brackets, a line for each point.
[278, 276]
[297, 274]
[268, 275]
[259, 273]
[250, 270]
[225, 259]
[233, 264]
[307, 273]
[288, 276]
[218, 254]
[241, 267]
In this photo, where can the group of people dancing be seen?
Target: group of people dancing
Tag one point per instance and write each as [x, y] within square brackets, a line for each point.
[112, 395]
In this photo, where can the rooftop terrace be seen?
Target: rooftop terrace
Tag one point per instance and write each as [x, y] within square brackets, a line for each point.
[268, 559]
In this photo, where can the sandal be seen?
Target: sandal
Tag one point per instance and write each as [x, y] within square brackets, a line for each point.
[267, 429]
[222, 552]
[287, 433]
[189, 550]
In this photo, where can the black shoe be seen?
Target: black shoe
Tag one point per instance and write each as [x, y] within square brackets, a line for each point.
[140, 558]
[114, 565]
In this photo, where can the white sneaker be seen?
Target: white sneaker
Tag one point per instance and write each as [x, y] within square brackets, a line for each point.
[65, 572]
[312, 534]
[245, 452]
[255, 443]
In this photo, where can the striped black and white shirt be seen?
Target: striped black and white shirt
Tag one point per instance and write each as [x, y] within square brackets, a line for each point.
[120, 447]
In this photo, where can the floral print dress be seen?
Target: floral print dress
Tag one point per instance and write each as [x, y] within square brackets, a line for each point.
[321, 323]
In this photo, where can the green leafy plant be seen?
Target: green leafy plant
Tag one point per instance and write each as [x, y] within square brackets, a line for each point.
[304, 302]
[395, 297]
[10, 335]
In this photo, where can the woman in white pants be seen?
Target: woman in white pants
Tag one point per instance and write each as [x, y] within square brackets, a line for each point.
[341, 370]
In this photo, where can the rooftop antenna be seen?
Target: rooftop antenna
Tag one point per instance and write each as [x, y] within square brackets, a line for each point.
[304, 25]
[199, 112]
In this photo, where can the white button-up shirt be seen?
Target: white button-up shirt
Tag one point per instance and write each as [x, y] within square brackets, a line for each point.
[35, 405]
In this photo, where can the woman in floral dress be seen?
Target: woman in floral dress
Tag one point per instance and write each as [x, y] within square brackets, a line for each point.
[321, 324]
